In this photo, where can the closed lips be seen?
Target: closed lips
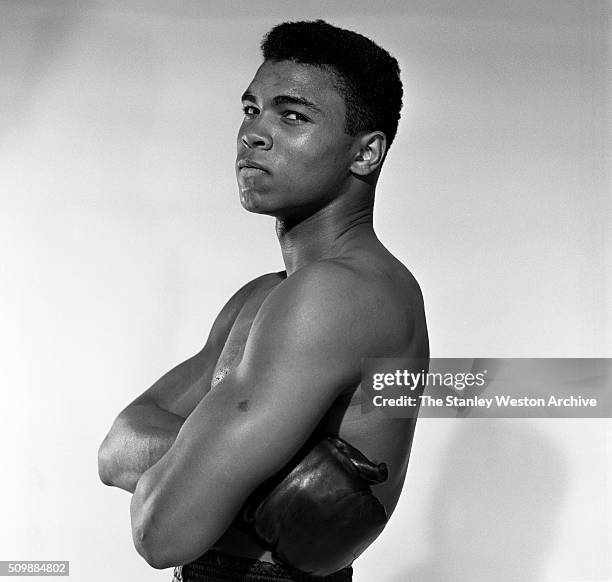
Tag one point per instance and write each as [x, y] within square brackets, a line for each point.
[251, 164]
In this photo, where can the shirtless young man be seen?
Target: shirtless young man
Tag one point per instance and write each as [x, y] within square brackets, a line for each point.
[283, 356]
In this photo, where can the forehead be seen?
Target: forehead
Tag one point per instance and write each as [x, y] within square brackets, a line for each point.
[315, 84]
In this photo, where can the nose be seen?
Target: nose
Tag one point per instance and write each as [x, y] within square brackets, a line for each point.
[255, 135]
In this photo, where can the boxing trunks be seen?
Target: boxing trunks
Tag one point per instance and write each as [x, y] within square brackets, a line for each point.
[217, 567]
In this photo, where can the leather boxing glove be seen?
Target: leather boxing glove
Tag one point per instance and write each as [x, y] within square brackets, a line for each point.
[319, 514]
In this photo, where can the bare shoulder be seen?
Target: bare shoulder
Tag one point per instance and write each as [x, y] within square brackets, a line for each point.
[267, 280]
[373, 303]
[228, 314]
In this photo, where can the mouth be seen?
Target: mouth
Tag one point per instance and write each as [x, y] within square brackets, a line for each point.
[245, 163]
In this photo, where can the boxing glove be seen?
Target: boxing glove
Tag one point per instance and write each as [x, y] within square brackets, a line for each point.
[319, 513]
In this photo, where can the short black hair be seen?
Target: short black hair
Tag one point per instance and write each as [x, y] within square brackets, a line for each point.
[368, 76]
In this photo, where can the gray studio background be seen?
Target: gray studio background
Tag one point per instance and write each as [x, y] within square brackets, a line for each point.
[122, 236]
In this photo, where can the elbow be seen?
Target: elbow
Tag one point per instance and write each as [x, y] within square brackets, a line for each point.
[151, 545]
[150, 538]
[105, 463]
[150, 549]
[163, 532]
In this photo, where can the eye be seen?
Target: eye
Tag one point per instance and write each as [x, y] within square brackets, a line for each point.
[249, 110]
[295, 116]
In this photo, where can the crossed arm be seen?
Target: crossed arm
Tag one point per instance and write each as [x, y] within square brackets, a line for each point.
[139, 437]
[145, 430]
[303, 350]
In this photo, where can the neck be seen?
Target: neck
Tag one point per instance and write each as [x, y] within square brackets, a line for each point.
[323, 234]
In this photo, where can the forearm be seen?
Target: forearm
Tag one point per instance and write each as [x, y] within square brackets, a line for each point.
[139, 437]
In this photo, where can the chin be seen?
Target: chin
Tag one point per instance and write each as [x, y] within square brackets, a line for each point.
[251, 201]
[257, 203]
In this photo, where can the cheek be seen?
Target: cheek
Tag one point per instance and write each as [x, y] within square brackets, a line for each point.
[318, 158]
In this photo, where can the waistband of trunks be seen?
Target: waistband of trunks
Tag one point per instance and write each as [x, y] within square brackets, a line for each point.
[218, 567]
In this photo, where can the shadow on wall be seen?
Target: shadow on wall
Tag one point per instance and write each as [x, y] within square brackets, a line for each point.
[496, 508]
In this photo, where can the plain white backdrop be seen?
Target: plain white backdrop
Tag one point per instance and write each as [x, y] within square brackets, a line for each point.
[122, 236]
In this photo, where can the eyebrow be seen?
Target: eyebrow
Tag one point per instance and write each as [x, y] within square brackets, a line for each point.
[285, 100]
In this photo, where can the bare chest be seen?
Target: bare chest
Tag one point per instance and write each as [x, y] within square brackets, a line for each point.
[233, 350]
